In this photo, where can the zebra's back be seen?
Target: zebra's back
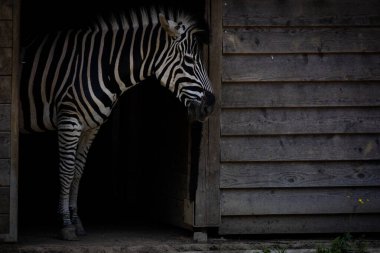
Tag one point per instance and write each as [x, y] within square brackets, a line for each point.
[47, 69]
[65, 69]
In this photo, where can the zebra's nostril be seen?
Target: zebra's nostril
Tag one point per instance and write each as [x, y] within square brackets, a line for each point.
[209, 109]
[205, 110]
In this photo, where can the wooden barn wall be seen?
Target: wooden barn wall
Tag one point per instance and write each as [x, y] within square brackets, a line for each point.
[300, 116]
[8, 122]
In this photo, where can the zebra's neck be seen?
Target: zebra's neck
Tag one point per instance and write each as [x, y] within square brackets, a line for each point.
[131, 47]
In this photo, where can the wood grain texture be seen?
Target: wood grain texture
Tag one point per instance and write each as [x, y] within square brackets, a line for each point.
[5, 144]
[16, 69]
[5, 61]
[300, 201]
[5, 170]
[302, 94]
[300, 224]
[4, 224]
[300, 142]
[301, 13]
[207, 204]
[5, 33]
[299, 174]
[300, 40]
[9, 65]
[5, 117]
[6, 9]
[212, 200]
[300, 148]
[5, 89]
[300, 121]
[335, 67]
[4, 200]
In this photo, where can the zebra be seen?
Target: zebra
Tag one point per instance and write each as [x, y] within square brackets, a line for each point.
[71, 80]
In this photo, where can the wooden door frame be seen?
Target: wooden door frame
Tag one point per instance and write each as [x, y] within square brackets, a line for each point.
[12, 234]
[13, 211]
[207, 202]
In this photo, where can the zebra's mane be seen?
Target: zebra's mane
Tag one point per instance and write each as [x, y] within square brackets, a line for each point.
[143, 17]
[150, 16]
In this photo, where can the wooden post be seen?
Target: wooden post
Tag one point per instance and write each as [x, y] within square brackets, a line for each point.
[207, 208]
[9, 81]
[13, 233]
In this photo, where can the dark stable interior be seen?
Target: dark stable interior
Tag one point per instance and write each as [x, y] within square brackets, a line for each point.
[141, 150]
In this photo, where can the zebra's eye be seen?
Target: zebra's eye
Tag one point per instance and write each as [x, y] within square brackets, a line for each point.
[179, 25]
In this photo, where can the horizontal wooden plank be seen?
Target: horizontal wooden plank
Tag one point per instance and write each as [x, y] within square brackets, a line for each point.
[300, 224]
[6, 9]
[299, 174]
[301, 13]
[5, 61]
[314, 94]
[6, 33]
[5, 89]
[300, 121]
[300, 201]
[4, 223]
[300, 40]
[5, 170]
[4, 200]
[5, 117]
[5, 145]
[300, 148]
[297, 67]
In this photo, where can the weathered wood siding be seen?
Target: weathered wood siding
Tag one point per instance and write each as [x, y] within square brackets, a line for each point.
[300, 116]
[8, 122]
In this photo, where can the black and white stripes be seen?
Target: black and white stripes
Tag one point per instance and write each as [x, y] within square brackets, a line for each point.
[72, 79]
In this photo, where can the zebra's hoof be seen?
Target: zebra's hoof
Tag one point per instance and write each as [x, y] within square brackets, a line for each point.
[79, 230]
[68, 233]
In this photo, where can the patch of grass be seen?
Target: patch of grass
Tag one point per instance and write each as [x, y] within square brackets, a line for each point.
[279, 249]
[266, 250]
[344, 244]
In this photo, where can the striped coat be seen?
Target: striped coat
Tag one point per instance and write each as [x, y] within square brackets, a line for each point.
[72, 79]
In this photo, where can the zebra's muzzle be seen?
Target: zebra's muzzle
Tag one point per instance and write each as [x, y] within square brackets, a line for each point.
[199, 111]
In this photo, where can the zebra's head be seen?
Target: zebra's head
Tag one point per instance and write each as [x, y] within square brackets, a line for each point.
[181, 69]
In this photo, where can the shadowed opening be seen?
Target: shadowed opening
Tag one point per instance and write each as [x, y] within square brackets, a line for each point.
[137, 170]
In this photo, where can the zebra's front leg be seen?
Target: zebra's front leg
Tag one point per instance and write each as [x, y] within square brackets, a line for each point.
[75, 220]
[85, 142]
[68, 139]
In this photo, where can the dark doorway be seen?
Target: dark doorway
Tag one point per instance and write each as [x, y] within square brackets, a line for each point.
[140, 157]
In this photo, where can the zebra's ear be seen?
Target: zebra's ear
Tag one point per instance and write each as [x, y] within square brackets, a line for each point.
[171, 27]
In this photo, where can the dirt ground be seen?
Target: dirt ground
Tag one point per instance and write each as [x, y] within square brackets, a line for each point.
[147, 239]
